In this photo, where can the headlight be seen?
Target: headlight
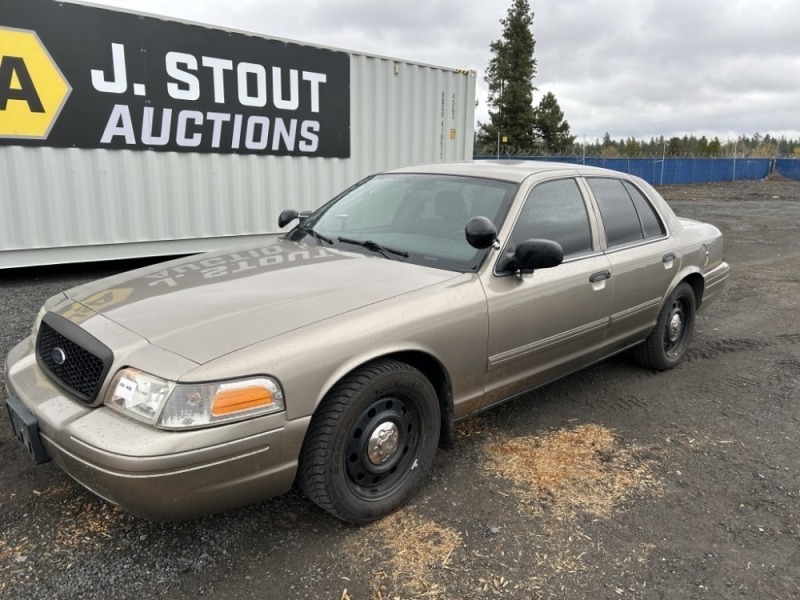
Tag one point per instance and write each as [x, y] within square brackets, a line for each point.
[138, 394]
[171, 405]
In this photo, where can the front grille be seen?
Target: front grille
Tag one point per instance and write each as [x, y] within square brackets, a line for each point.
[75, 360]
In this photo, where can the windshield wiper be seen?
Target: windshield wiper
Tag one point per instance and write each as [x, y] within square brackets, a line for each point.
[318, 236]
[374, 246]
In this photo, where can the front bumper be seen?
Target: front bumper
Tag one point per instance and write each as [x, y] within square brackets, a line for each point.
[159, 475]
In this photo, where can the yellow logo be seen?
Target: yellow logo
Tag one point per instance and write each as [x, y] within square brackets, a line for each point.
[32, 88]
[79, 312]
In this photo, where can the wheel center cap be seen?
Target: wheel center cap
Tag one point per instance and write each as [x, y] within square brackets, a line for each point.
[382, 443]
[675, 327]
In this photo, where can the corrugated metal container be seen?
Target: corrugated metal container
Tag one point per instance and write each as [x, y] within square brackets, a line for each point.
[63, 204]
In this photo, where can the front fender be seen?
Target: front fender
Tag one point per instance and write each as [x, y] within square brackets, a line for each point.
[447, 323]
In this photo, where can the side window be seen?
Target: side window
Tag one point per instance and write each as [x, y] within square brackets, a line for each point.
[651, 224]
[554, 210]
[616, 207]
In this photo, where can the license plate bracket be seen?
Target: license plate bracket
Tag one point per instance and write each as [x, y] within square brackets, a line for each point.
[26, 429]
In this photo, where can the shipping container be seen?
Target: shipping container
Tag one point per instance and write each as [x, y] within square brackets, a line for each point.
[126, 135]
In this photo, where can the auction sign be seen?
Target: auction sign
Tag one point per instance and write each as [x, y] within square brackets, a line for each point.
[74, 76]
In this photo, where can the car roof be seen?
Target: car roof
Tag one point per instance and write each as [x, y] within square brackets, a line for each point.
[508, 170]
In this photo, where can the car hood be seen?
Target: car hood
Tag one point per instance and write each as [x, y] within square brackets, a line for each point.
[208, 305]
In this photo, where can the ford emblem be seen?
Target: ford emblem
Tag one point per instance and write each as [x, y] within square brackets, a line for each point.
[58, 356]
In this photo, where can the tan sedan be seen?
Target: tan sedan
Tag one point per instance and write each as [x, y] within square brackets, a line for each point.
[340, 354]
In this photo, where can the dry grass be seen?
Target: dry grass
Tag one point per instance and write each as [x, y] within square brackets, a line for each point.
[83, 522]
[415, 550]
[569, 470]
[555, 477]
[88, 525]
[564, 474]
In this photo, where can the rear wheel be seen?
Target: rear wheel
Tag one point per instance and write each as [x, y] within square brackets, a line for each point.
[371, 442]
[667, 343]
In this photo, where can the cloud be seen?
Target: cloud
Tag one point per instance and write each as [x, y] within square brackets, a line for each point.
[632, 68]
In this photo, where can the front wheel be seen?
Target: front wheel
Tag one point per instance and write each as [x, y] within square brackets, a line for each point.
[371, 442]
[667, 343]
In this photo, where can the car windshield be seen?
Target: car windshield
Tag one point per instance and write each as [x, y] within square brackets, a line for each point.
[419, 218]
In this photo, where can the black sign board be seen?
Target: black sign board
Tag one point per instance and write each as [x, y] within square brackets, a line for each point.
[84, 77]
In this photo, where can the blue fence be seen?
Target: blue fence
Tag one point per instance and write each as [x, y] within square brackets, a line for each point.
[676, 171]
[788, 167]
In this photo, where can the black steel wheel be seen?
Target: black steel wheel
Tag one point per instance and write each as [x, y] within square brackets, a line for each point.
[371, 442]
[669, 340]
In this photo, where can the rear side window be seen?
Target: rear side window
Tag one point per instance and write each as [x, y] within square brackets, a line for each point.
[651, 224]
[627, 215]
[554, 210]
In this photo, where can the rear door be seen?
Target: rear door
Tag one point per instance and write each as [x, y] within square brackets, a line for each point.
[643, 258]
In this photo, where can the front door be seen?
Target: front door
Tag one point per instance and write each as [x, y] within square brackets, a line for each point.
[546, 324]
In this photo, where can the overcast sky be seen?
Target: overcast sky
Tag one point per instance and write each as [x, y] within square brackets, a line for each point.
[637, 68]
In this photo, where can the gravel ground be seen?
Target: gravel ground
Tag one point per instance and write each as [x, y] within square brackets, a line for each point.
[617, 482]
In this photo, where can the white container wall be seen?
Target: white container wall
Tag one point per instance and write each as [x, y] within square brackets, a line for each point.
[62, 205]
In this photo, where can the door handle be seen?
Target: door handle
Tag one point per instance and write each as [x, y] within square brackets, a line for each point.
[668, 257]
[600, 276]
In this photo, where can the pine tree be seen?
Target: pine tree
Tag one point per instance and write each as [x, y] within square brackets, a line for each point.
[632, 147]
[509, 75]
[552, 126]
[675, 147]
[702, 147]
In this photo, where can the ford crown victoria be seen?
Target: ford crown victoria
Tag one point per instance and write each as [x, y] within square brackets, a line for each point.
[338, 355]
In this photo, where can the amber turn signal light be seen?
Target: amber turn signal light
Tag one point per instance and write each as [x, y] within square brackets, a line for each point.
[239, 399]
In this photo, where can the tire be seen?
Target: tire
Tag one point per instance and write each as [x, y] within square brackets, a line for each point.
[371, 442]
[667, 343]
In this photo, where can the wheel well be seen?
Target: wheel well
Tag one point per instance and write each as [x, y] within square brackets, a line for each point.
[437, 375]
[698, 285]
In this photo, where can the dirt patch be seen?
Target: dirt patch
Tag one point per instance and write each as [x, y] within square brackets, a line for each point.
[84, 523]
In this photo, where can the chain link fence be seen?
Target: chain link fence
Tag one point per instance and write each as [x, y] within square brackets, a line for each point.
[677, 170]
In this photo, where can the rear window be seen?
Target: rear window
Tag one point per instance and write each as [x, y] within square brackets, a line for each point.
[627, 215]
[651, 224]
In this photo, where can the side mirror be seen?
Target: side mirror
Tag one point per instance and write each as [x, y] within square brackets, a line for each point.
[531, 255]
[286, 217]
[290, 214]
[481, 232]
